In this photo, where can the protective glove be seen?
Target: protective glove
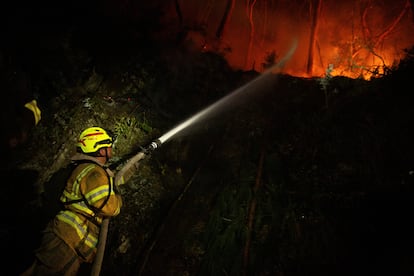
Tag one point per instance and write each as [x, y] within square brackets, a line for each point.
[129, 169]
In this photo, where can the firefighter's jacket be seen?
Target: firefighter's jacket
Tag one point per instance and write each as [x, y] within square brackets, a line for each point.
[89, 196]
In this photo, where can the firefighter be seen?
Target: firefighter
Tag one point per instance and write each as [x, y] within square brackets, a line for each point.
[20, 111]
[71, 237]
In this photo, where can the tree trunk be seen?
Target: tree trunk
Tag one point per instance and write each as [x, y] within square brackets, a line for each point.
[179, 13]
[314, 29]
[225, 19]
[250, 8]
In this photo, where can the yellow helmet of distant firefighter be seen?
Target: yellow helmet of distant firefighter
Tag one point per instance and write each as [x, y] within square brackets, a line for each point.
[94, 138]
[32, 106]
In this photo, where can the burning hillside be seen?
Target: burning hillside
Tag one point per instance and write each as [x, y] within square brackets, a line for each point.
[360, 38]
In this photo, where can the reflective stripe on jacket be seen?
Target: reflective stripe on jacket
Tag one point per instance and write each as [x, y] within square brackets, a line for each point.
[88, 197]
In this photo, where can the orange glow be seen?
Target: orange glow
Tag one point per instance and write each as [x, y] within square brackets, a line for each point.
[360, 39]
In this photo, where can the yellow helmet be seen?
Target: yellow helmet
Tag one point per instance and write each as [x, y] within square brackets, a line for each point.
[94, 138]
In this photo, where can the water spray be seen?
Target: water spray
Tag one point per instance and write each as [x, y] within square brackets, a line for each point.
[218, 105]
[129, 168]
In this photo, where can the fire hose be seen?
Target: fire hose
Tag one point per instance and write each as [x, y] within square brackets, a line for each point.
[120, 178]
[131, 166]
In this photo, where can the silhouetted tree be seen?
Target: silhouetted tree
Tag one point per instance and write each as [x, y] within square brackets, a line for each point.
[225, 19]
[249, 10]
[315, 8]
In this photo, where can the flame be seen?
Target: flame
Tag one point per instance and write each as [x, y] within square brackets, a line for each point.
[358, 39]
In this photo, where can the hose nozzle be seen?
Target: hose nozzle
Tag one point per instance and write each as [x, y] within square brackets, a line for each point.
[154, 145]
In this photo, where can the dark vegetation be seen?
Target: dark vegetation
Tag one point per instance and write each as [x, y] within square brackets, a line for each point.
[280, 184]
